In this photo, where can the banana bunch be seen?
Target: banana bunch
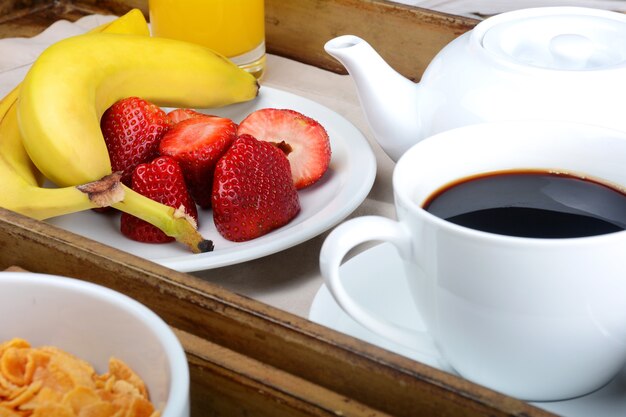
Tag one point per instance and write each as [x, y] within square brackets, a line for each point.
[67, 90]
[20, 188]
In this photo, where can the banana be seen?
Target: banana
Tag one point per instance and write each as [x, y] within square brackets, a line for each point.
[11, 149]
[133, 22]
[20, 190]
[75, 80]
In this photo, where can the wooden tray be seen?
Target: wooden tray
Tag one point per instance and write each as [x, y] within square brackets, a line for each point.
[247, 358]
[407, 37]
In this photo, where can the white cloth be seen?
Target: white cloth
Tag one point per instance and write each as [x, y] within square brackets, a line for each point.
[290, 279]
[17, 54]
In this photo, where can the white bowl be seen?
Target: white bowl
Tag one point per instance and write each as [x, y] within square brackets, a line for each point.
[95, 323]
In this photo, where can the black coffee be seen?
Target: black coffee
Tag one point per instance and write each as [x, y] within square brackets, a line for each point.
[535, 204]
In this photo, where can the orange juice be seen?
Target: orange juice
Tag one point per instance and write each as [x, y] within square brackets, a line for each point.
[234, 28]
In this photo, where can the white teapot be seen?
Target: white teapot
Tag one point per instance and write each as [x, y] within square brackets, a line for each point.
[551, 63]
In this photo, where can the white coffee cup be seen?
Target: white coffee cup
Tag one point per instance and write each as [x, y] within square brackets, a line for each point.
[538, 319]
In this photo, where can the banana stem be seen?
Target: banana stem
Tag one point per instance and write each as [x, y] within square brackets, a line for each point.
[172, 222]
[44, 203]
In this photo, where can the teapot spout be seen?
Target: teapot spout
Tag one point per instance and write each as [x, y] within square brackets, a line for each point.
[389, 100]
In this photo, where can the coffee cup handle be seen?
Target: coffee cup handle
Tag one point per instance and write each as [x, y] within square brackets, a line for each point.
[338, 243]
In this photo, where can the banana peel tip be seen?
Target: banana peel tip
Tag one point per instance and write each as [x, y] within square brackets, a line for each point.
[206, 246]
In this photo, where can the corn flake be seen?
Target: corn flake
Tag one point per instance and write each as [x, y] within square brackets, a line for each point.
[47, 381]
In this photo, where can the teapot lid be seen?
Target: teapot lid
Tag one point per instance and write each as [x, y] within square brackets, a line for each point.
[559, 38]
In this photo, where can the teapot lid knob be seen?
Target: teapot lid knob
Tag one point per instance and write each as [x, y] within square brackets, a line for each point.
[559, 38]
[572, 51]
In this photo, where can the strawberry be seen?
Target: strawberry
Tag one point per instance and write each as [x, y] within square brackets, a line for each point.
[161, 180]
[197, 143]
[309, 142]
[132, 128]
[252, 190]
[178, 115]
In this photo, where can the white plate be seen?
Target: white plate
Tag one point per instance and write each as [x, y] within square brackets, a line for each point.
[376, 278]
[342, 189]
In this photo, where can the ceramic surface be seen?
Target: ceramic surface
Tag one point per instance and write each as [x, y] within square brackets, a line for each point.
[550, 63]
[538, 319]
[95, 323]
[377, 279]
[340, 191]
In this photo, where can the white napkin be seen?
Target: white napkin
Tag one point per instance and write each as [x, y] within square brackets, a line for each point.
[17, 54]
[286, 281]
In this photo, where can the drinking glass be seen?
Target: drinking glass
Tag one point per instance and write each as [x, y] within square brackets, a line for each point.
[233, 28]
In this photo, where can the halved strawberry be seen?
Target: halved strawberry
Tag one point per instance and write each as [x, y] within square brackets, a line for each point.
[253, 192]
[309, 142]
[161, 180]
[178, 115]
[197, 143]
[132, 128]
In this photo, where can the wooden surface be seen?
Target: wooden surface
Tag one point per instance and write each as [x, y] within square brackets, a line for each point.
[407, 37]
[248, 358]
[241, 349]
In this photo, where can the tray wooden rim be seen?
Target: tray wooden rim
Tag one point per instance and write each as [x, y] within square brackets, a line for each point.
[240, 348]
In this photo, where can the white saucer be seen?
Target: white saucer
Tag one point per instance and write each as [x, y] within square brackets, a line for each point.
[343, 188]
[376, 278]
